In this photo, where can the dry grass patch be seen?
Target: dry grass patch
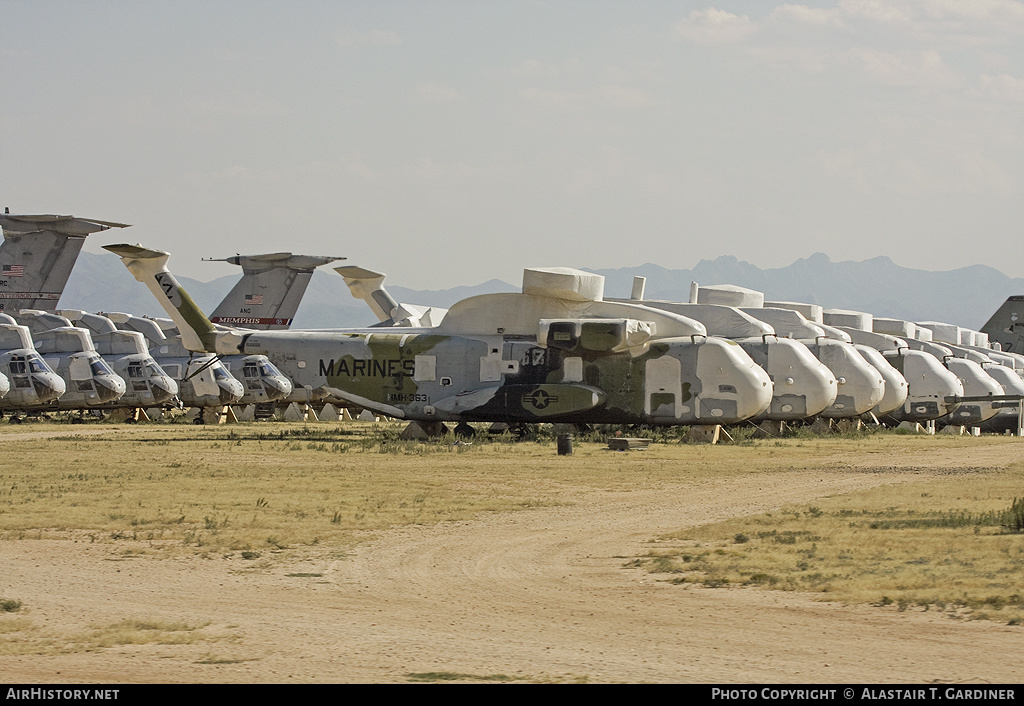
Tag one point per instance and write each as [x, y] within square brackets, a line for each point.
[265, 487]
[442, 677]
[14, 625]
[251, 490]
[141, 632]
[943, 544]
[216, 659]
[26, 638]
[434, 677]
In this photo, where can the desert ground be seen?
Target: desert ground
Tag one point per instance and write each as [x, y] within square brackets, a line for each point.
[535, 594]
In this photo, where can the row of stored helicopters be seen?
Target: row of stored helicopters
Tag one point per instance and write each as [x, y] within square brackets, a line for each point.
[558, 351]
[70, 360]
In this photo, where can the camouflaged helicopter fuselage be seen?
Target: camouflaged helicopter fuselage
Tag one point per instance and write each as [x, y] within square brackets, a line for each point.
[426, 376]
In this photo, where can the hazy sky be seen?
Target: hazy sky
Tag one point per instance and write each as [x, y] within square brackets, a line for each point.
[447, 143]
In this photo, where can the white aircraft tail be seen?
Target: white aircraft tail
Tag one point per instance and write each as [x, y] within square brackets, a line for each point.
[369, 286]
[197, 332]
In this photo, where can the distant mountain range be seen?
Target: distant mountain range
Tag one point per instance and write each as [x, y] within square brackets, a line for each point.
[966, 296]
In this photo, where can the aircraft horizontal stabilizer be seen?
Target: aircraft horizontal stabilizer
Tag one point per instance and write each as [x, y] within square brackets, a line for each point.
[135, 251]
[68, 225]
[355, 272]
[267, 257]
[276, 259]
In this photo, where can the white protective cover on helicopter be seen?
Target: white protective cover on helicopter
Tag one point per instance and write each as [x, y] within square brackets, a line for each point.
[730, 295]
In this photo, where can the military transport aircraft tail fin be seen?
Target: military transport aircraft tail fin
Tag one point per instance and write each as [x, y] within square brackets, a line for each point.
[1006, 326]
[269, 293]
[369, 286]
[197, 332]
[37, 255]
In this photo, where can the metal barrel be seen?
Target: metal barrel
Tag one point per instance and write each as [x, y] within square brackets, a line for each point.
[565, 444]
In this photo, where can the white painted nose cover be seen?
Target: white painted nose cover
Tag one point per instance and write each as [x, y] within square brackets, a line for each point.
[803, 386]
[1012, 385]
[929, 386]
[733, 387]
[977, 383]
[860, 386]
[895, 384]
